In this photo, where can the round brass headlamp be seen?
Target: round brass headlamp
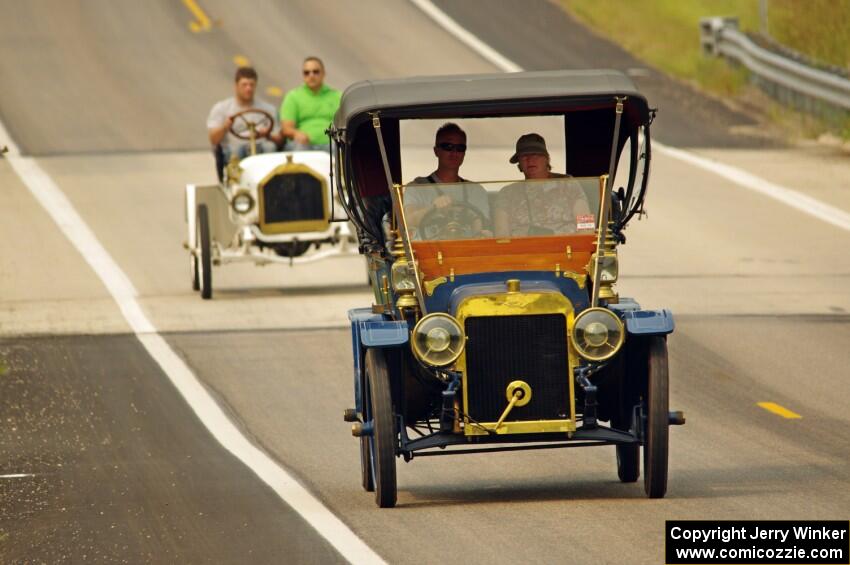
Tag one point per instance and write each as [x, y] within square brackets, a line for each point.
[437, 340]
[242, 202]
[598, 334]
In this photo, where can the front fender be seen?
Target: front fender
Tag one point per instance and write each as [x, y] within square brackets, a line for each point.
[648, 322]
[371, 330]
[222, 227]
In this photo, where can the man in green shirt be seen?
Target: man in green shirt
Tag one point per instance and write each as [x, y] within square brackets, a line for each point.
[307, 111]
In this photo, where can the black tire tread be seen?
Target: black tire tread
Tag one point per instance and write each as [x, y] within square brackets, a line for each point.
[193, 264]
[383, 429]
[627, 455]
[655, 448]
[628, 462]
[205, 251]
[366, 479]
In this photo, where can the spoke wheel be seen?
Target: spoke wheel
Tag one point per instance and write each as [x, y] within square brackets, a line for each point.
[657, 420]
[382, 442]
[204, 262]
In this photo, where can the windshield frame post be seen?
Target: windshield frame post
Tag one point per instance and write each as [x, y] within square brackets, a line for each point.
[398, 213]
[605, 202]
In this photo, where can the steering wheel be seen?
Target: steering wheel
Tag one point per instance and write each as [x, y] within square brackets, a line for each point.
[458, 220]
[245, 116]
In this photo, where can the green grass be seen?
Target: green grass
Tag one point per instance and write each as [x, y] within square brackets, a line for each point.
[817, 28]
[665, 33]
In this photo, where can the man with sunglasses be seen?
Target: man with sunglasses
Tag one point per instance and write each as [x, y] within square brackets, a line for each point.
[450, 150]
[307, 111]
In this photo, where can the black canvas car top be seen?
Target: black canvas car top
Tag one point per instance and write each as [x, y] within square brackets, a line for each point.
[499, 94]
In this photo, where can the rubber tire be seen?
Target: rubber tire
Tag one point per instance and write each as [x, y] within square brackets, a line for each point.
[383, 439]
[656, 434]
[205, 249]
[366, 479]
[628, 462]
[628, 455]
[292, 248]
[193, 268]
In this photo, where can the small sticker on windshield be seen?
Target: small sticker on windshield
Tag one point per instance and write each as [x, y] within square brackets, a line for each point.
[585, 222]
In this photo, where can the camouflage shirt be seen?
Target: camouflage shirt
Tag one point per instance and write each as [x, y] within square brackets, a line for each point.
[542, 208]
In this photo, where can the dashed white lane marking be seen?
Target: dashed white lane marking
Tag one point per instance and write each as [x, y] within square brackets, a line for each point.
[16, 476]
[60, 209]
[792, 198]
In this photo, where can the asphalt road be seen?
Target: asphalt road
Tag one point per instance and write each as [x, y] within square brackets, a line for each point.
[103, 461]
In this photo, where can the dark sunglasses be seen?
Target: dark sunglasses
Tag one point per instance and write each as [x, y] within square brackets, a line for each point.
[308, 72]
[459, 147]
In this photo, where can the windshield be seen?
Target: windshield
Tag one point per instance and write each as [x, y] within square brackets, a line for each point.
[469, 210]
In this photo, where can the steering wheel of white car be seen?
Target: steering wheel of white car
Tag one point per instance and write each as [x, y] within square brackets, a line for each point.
[263, 120]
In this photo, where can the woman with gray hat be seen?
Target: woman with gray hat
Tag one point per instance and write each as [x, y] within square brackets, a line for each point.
[542, 205]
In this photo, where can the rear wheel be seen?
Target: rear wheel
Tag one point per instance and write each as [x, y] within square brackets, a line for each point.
[204, 262]
[628, 466]
[382, 441]
[657, 420]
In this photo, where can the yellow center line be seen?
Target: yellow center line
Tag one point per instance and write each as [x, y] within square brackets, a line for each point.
[242, 61]
[779, 410]
[202, 22]
[274, 91]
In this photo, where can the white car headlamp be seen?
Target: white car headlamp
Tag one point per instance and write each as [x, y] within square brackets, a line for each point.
[437, 340]
[598, 334]
[242, 202]
[402, 276]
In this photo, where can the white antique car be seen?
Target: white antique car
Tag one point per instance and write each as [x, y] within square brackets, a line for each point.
[268, 208]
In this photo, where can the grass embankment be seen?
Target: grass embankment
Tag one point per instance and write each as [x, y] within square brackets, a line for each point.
[665, 33]
[817, 28]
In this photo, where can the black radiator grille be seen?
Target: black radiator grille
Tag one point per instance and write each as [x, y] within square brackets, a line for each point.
[501, 349]
[292, 198]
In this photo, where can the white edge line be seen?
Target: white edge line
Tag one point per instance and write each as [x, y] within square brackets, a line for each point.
[60, 209]
[314, 512]
[792, 198]
[461, 33]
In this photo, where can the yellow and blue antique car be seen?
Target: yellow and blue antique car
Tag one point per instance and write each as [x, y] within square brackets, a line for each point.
[487, 338]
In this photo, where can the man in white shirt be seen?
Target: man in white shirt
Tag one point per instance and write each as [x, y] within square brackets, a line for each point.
[220, 119]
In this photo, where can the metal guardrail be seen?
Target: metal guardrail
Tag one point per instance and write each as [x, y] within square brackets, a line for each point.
[779, 75]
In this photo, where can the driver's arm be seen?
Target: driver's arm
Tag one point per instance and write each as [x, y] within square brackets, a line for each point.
[288, 129]
[216, 134]
[218, 123]
[417, 210]
[289, 117]
[277, 136]
[273, 133]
